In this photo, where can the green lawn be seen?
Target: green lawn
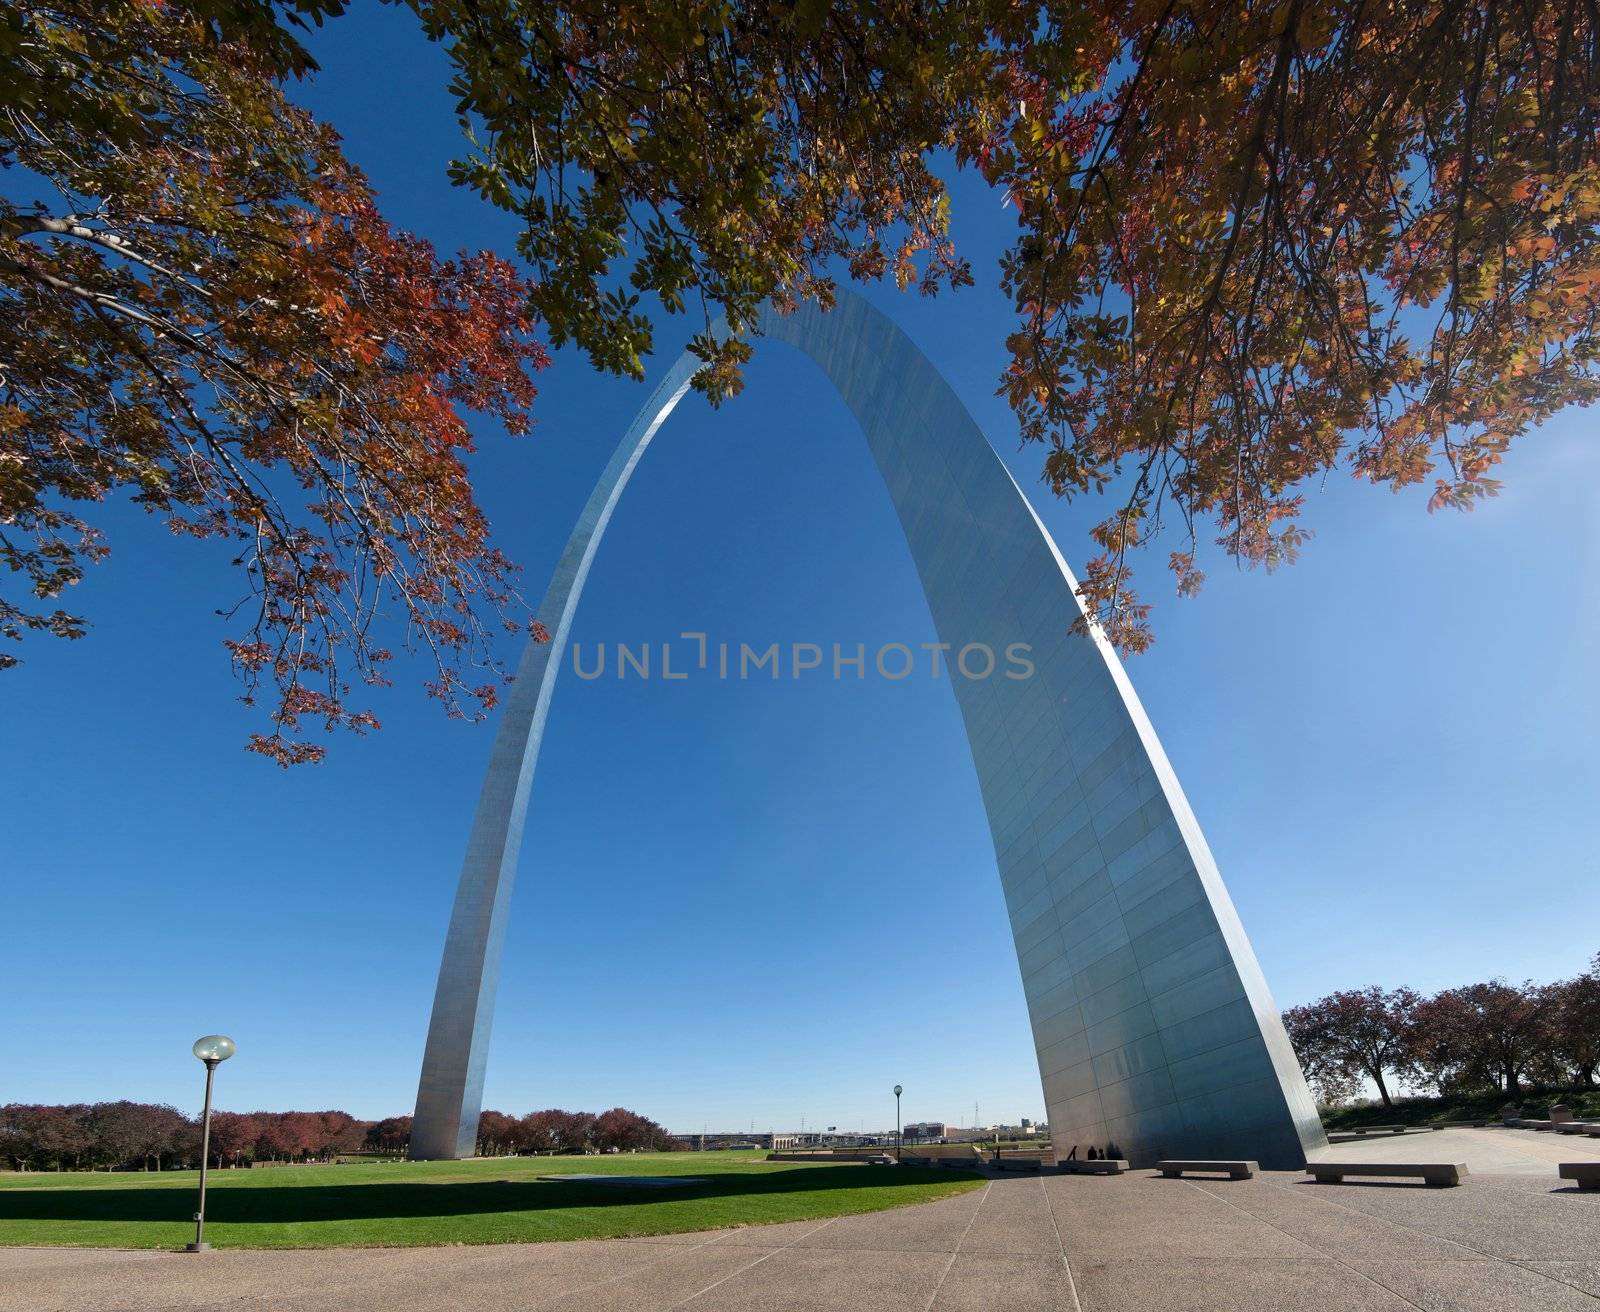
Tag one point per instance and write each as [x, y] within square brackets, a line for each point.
[477, 1202]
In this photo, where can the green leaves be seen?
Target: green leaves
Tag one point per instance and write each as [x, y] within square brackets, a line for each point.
[711, 156]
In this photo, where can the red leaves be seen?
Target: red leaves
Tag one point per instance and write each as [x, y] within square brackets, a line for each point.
[233, 333]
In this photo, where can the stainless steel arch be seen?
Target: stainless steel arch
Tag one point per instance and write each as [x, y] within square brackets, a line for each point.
[1152, 1022]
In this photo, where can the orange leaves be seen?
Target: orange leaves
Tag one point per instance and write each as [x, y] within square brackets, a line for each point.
[239, 339]
[1291, 244]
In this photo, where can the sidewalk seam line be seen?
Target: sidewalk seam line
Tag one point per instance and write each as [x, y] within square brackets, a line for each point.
[945, 1274]
[1482, 1253]
[672, 1252]
[751, 1265]
[1329, 1257]
[1072, 1285]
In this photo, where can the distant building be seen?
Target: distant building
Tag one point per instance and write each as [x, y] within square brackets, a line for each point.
[747, 1139]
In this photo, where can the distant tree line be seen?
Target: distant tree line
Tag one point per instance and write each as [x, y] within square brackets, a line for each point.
[555, 1131]
[1479, 1038]
[152, 1136]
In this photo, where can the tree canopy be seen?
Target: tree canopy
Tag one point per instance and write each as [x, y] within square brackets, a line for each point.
[1256, 244]
[1354, 1035]
[1480, 1037]
[202, 309]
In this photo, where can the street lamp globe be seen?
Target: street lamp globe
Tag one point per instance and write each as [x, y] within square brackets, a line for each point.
[214, 1048]
[897, 1089]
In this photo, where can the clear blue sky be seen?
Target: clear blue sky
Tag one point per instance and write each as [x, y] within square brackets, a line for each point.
[747, 903]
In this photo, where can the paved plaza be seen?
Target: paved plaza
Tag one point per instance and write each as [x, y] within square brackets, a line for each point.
[1513, 1237]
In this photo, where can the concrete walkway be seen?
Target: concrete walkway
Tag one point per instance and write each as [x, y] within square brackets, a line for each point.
[1508, 1240]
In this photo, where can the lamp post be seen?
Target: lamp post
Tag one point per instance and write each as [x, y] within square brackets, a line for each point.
[214, 1049]
[899, 1139]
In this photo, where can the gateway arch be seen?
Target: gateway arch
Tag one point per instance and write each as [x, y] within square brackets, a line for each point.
[1153, 1026]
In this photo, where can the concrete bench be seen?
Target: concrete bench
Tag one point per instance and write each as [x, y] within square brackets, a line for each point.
[1375, 1129]
[1587, 1174]
[1099, 1166]
[1233, 1170]
[1434, 1173]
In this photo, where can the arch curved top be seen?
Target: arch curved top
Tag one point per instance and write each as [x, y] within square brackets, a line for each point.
[1152, 1023]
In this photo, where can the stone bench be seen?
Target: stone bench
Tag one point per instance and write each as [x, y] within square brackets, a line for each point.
[1576, 1127]
[1434, 1173]
[1587, 1174]
[1375, 1129]
[1099, 1166]
[1233, 1170]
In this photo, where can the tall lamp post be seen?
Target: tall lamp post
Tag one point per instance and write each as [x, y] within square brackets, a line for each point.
[214, 1049]
[899, 1139]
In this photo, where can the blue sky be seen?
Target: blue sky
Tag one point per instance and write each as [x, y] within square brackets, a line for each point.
[747, 903]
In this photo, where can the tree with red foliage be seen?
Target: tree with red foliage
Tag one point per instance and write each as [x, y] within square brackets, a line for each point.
[126, 1131]
[627, 1131]
[274, 1140]
[1483, 1035]
[390, 1135]
[497, 1134]
[203, 311]
[233, 1135]
[537, 1132]
[556, 1131]
[1355, 1034]
[1575, 1025]
[33, 1135]
[338, 1132]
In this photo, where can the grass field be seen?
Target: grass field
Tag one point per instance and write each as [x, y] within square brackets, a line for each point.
[495, 1201]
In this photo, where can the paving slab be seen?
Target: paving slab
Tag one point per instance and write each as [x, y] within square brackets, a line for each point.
[929, 1228]
[1324, 1225]
[1209, 1285]
[800, 1279]
[1139, 1217]
[1512, 1218]
[1477, 1287]
[1583, 1274]
[678, 1278]
[979, 1282]
[1014, 1222]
